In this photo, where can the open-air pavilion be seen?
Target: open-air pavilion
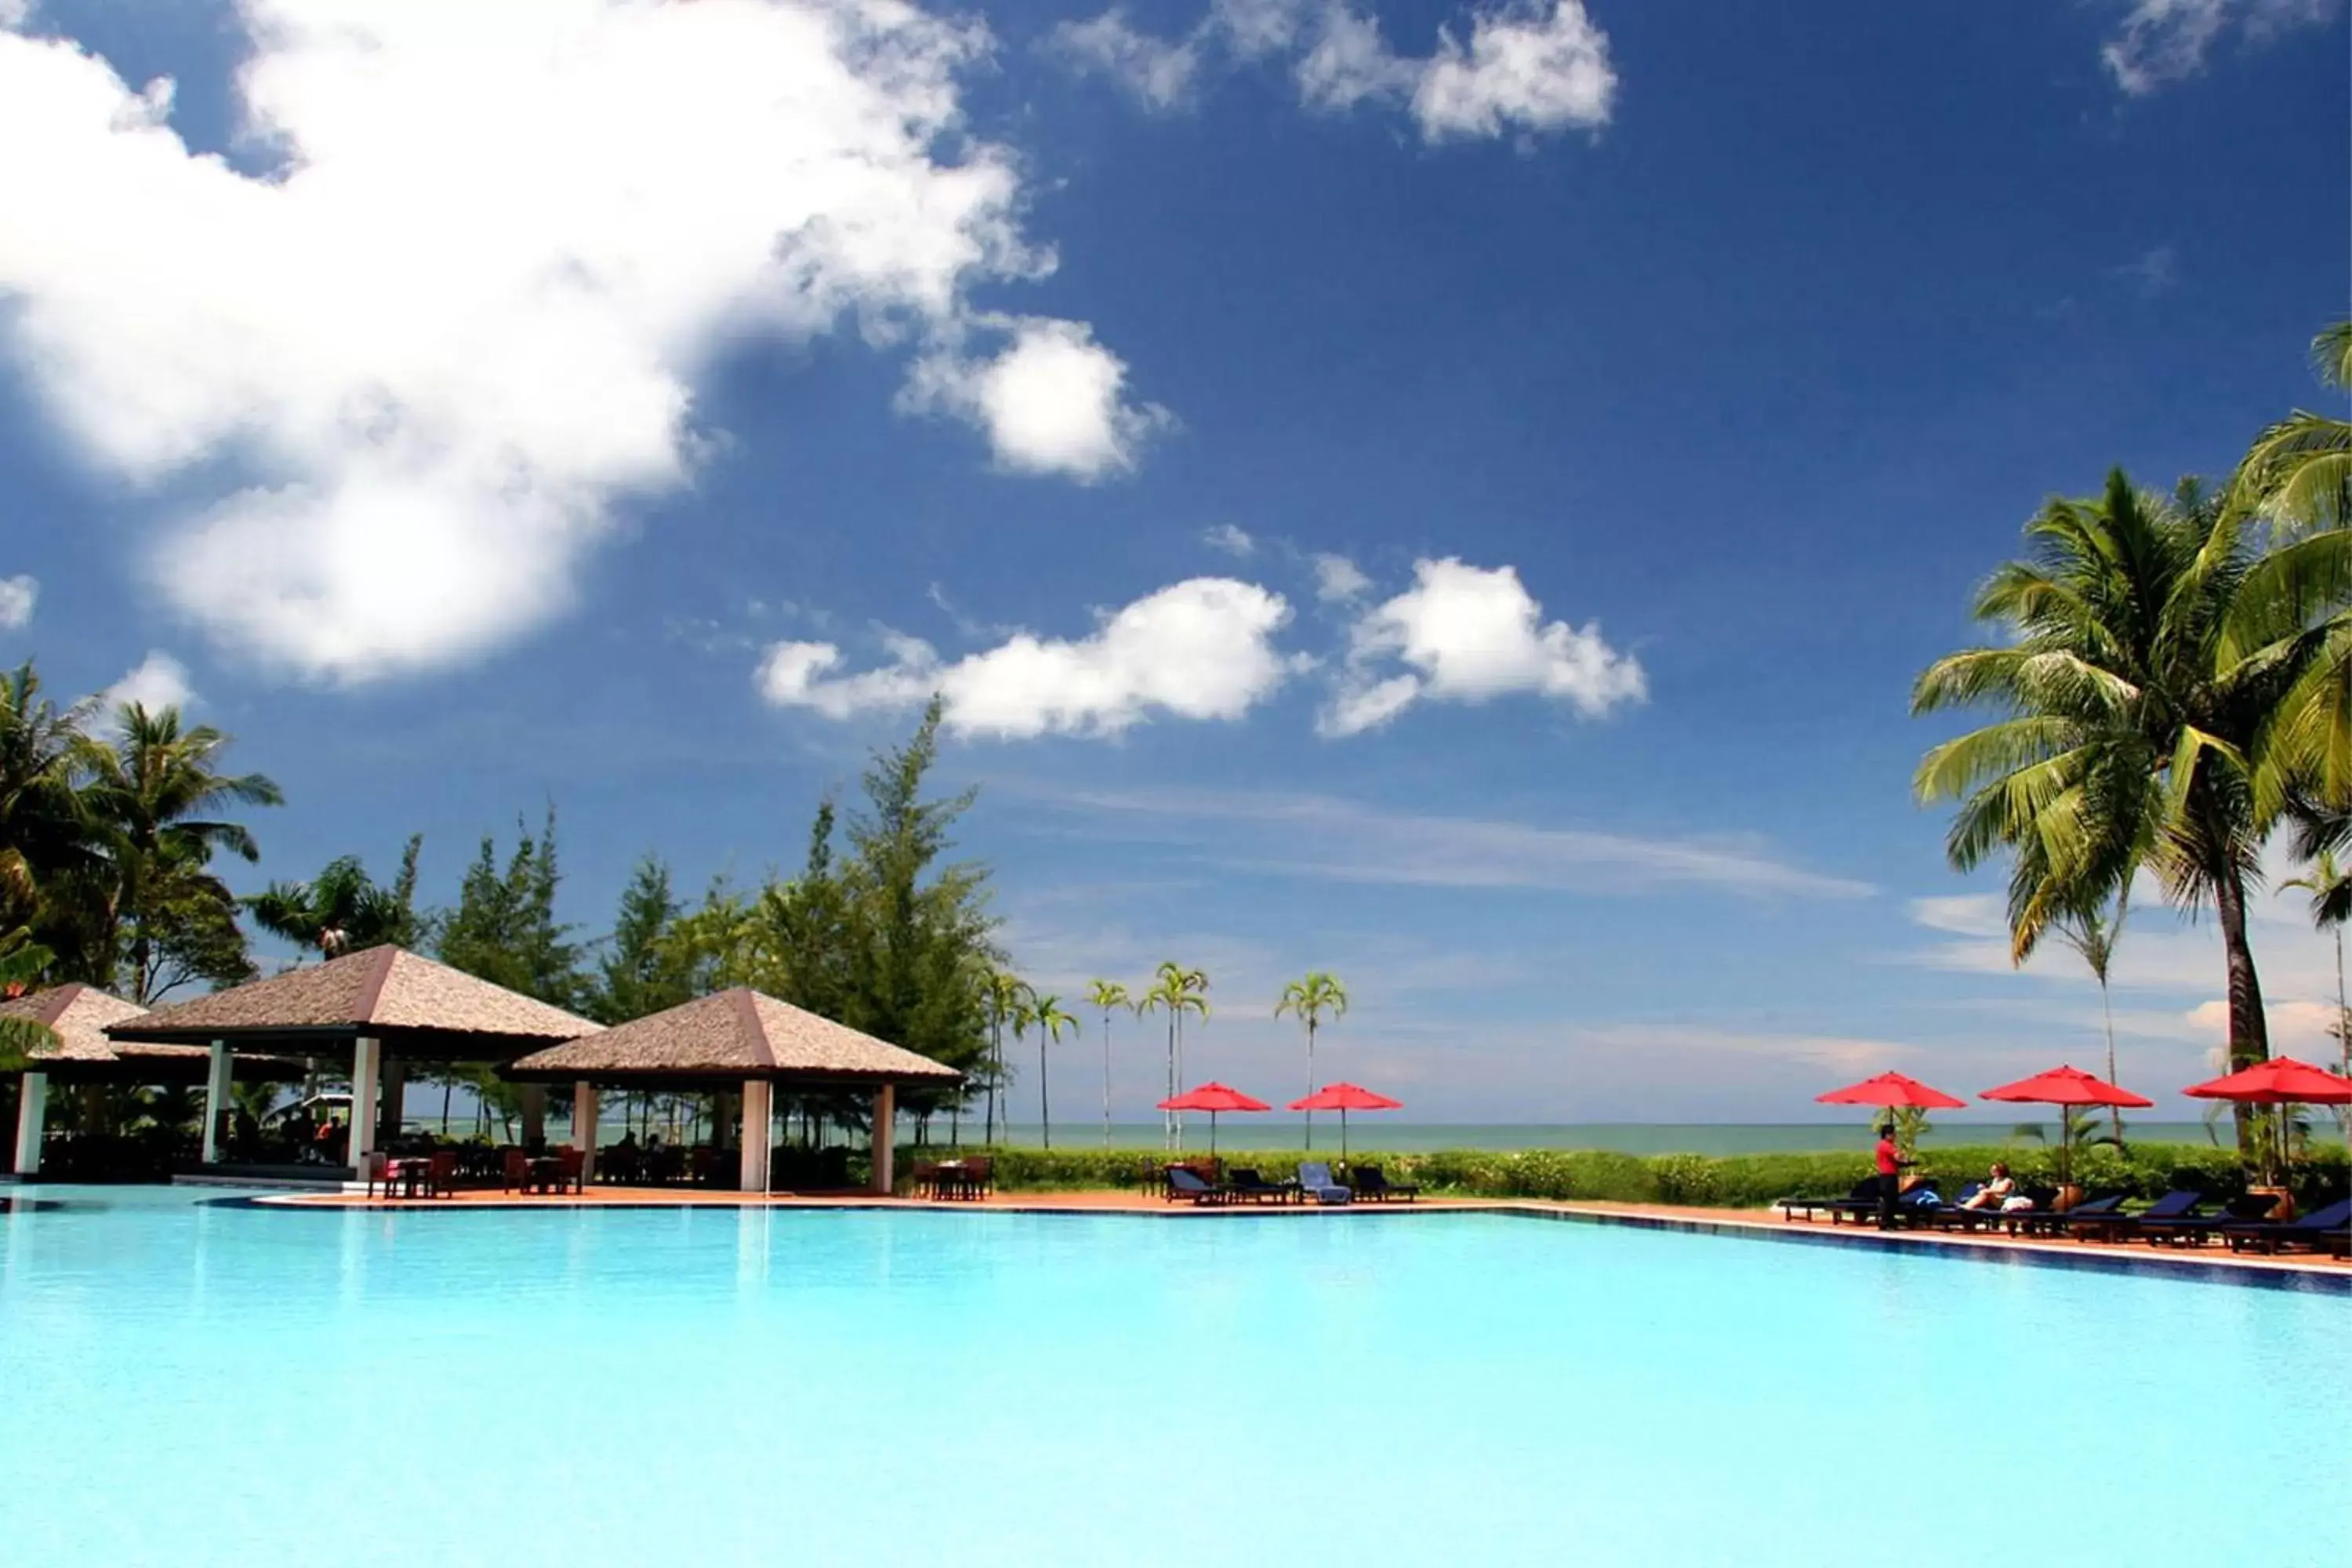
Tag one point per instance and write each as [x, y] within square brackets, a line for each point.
[83, 1055]
[738, 1040]
[380, 1010]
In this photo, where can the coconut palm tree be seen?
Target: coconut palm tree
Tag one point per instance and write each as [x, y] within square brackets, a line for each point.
[46, 829]
[1176, 991]
[1107, 996]
[1004, 996]
[2093, 934]
[2330, 887]
[153, 790]
[341, 909]
[22, 961]
[1045, 1015]
[2297, 476]
[2129, 719]
[1307, 999]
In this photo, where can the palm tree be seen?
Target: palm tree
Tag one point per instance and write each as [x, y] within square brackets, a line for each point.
[2330, 887]
[1003, 995]
[1307, 999]
[22, 961]
[2297, 475]
[1176, 991]
[2093, 934]
[152, 790]
[46, 829]
[1045, 1015]
[1108, 995]
[341, 909]
[2131, 716]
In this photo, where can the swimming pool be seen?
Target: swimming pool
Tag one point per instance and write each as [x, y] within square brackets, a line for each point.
[195, 1383]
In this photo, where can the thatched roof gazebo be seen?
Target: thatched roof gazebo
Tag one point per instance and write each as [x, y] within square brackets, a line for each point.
[79, 1016]
[385, 1005]
[736, 1037]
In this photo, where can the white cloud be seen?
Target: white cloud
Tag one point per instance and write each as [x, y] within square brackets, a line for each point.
[2153, 271]
[1346, 841]
[465, 314]
[1157, 72]
[1231, 540]
[19, 595]
[1980, 915]
[1468, 634]
[160, 681]
[1053, 402]
[1527, 67]
[2164, 41]
[1338, 580]
[1201, 648]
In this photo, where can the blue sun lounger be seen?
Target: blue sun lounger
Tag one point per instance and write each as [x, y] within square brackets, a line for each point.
[1315, 1181]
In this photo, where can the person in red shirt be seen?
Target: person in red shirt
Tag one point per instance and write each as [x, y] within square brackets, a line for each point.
[1890, 1175]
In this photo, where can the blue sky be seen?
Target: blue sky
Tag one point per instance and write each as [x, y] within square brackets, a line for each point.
[1451, 495]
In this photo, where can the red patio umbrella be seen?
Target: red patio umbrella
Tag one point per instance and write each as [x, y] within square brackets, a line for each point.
[2282, 1080]
[1889, 1091]
[1344, 1098]
[1212, 1097]
[2068, 1087]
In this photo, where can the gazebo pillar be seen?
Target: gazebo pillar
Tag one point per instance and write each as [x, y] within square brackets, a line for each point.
[32, 1116]
[756, 1130]
[367, 1073]
[722, 1118]
[583, 1126]
[534, 1115]
[885, 1141]
[215, 1099]
[389, 1109]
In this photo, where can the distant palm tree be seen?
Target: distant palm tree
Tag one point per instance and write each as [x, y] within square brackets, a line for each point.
[46, 828]
[2093, 934]
[1003, 995]
[1108, 995]
[1307, 999]
[1176, 991]
[1045, 1015]
[2330, 887]
[341, 909]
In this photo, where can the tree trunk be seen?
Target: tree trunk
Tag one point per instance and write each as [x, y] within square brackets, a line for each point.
[1310, 1081]
[2249, 1036]
[1044, 1109]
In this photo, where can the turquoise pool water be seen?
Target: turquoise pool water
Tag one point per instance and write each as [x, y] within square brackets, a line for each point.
[193, 1384]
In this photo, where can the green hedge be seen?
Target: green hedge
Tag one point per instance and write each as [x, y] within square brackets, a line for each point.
[1728, 1180]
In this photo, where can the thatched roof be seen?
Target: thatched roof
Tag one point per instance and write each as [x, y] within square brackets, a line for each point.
[78, 1014]
[415, 1006]
[728, 1037]
[81, 1014]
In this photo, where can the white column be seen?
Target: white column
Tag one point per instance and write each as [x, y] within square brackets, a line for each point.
[215, 1099]
[367, 1072]
[885, 1139]
[32, 1114]
[756, 1133]
[534, 1115]
[583, 1125]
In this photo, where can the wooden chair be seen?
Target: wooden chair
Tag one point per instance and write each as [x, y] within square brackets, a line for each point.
[441, 1174]
[515, 1170]
[572, 1169]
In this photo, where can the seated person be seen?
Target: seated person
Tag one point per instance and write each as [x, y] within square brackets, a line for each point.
[1994, 1193]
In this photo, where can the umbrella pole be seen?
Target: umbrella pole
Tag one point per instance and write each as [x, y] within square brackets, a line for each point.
[1343, 1135]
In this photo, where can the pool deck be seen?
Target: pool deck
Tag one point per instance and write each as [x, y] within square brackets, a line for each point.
[2214, 1262]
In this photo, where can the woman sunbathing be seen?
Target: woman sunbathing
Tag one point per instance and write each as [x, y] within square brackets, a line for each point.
[1994, 1193]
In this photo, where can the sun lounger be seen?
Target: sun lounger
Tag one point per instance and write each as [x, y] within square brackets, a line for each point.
[2194, 1229]
[1246, 1183]
[1371, 1181]
[1862, 1202]
[1314, 1179]
[1184, 1183]
[2323, 1229]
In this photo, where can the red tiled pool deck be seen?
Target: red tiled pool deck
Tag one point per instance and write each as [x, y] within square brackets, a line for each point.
[1758, 1224]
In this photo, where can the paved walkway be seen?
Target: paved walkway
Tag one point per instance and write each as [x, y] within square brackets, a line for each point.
[2138, 1256]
